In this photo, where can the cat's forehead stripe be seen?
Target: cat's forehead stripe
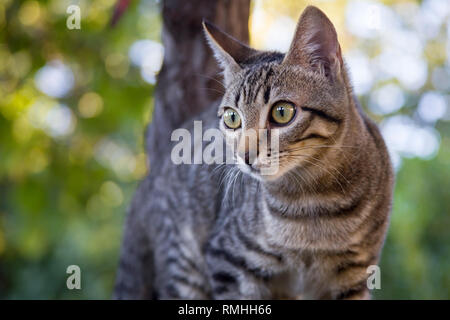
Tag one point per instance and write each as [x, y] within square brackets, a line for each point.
[252, 83]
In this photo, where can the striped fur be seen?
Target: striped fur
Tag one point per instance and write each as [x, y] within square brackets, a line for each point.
[310, 231]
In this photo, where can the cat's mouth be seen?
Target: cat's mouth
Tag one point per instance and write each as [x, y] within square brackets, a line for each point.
[262, 168]
[274, 167]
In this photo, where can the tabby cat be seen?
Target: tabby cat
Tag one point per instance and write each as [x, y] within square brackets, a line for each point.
[309, 231]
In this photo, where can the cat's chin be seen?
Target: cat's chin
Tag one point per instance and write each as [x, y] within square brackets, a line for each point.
[263, 175]
[250, 171]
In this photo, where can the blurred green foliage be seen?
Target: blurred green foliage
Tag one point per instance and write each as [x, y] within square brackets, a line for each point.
[59, 204]
[415, 263]
[63, 196]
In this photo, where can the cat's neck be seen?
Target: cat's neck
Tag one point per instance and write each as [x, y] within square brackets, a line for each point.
[297, 199]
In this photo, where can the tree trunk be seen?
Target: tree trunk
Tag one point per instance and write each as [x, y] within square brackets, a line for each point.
[188, 83]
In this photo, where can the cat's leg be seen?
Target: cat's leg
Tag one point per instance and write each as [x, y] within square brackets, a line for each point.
[134, 275]
[179, 268]
[237, 271]
[350, 282]
[358, 291]
[230, 277]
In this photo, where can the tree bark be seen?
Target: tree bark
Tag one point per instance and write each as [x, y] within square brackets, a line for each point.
[188, 83]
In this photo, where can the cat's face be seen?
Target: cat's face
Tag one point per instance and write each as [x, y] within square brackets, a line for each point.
[299, 98]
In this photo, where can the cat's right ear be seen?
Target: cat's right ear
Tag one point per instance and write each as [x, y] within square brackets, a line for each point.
[228, 51]
[315, 44]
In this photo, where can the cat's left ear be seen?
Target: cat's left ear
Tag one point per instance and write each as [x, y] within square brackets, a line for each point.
[228, 51]
[315, 44]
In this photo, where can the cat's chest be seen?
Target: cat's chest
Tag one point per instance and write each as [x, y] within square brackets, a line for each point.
[303, 279]
[301, 233]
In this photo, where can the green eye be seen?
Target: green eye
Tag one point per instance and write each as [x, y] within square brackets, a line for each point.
[231, 118]
[283, 112]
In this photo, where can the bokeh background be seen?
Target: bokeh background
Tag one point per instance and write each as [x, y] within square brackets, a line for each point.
[74, 105]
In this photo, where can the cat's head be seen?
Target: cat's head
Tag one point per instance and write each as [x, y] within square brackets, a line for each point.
[302, 95]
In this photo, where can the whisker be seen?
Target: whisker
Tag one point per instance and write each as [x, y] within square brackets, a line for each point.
[212, 89]
[209, 77]
[292, 174]
[321, 146]
[335, 169]
[321, 167]
[236, 178]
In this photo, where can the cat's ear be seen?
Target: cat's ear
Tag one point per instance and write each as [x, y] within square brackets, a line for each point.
[315, 44]
[228, 51]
